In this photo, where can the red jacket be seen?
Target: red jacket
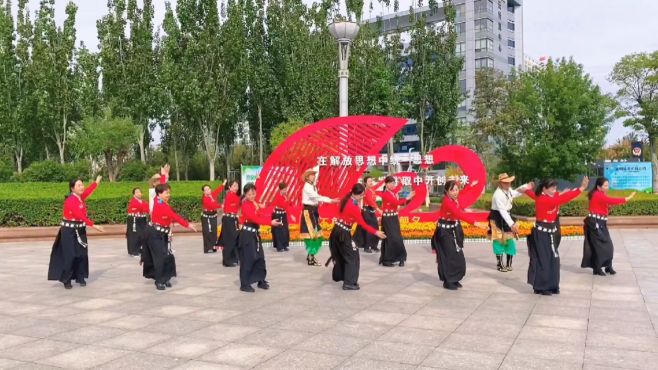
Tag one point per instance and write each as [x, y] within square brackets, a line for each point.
[75, 208]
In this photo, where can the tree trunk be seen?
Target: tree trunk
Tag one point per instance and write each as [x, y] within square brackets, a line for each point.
[211, 167]
[140, 141]
[176, 162]
[110, 167]
[19, 160]
[390, 153]
[60, 147]
[47, 153]
[228, 162]
[260, 134]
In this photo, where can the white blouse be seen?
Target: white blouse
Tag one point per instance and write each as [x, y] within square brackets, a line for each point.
[311, 197]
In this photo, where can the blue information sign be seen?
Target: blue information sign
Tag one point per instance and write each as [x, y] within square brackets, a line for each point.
[629, 175]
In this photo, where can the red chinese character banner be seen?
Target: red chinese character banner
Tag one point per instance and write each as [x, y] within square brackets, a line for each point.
[344, 147]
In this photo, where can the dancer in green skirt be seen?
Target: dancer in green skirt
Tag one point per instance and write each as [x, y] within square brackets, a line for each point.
[309, 227]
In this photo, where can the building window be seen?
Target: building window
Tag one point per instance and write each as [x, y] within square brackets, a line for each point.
[460, 10]
[460, 48]
[484, 63]
[511, 43]
[460, 28]
[462, 86]
[510, 26]
[482, 6]
[484, 44]
[511, 61]
[510, 9]
[483, 24]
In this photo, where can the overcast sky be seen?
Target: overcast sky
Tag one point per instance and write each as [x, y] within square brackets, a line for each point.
[596, 33]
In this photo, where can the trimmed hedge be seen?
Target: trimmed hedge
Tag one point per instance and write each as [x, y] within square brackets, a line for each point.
[40, 204]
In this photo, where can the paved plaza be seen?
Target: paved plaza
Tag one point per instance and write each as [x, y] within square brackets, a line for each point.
[401, 319]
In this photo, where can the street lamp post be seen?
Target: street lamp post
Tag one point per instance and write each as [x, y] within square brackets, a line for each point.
[344, 32]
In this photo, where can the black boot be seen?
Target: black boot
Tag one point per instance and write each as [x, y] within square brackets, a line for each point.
[449, 286]
[67, 285]
[509, 263]
[309, 260]
[168, 284]
[159, 286]
[598, 272]
[314, 262]
[610, 270]
[499, 265]
[263, 285]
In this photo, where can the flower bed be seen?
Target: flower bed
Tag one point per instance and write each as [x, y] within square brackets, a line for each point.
[422, 230]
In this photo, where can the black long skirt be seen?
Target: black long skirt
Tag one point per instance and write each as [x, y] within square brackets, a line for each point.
[280, 234]
[136, 234]
[448, 241]
[362, 238]
[345, 255]
[544, 266]
[228, 240]
[597, 247]
[393, 249]
[252, 256]
[158, 263]
[69, 258]
[209, 231]
[309, 223]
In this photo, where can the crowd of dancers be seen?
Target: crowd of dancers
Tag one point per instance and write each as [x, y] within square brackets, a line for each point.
[149, 225]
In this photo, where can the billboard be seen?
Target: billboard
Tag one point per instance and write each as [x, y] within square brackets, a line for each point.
[629, 175]
[249, 174]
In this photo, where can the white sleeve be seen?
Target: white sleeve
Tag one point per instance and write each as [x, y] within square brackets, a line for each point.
[500, 206]
[519, 191]
[312, 195]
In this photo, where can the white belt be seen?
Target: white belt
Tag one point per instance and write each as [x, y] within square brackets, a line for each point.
[209, 216]
[279, 211]
[598, 217]
[72, 224]
[343, 225]
[389, 214]
[137, 215]
[250, 229]
[232, 215]
[546, 229]
[161, 229]
[447, 226]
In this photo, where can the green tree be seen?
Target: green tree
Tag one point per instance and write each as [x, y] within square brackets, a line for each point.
[283, 130]
[108, 138]
[637, 78]
[53, 53]
[432, 76]
[555, 123]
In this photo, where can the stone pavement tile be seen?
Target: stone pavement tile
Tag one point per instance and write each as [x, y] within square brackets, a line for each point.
[369, 364]
[201, 365]
[515, 318]
[307, 324]
[620, 358]
[548, 334]
[93, 317]
[34, 366]
[331, 313]
[554, 321]
[184, 347]
[640, 343]
[445, 312]
[525, 362]
[9, 325]
[9, 340]
[171, 310]
[83, 357]
[133, 322]
[611, 314]
[459, 359]
[565, 352]
[432, 323]
[46, 329]
[293, 359]
[175, 326]
[622, 305]
[36, 350]
[477, 343]
[213, 315]
[135, 340]
[378, 317]
[133, 307]
[557, 309]
[243, 355]
[88, 334]
[358, 330]
[20, 308]
[276, 338]
[224, 332]
[192, 291]
[138, 361]
[407, 308]
[9, 364]
[332, 344]
[405, 334]
[404, 353]
[260, 319]
[644, 328]
[96, 304]
[488, 328]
